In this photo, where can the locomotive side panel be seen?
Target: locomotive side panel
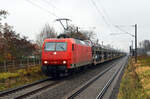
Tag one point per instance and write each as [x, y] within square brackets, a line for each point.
[82, 54]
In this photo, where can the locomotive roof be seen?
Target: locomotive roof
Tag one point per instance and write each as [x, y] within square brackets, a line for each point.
[69, 39]
[59, 39]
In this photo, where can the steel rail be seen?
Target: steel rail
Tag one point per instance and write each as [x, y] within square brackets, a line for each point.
[37, 90]
[103, 91]
[90, 82]
[10, 91]
[42, 88]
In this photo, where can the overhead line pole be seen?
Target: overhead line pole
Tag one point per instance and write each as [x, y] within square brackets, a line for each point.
[132, 44]
[135, 36]
[135, 43]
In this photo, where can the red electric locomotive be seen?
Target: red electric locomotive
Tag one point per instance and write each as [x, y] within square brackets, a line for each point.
[61, 55]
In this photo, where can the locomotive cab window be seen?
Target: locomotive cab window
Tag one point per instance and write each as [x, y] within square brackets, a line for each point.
[55, 46]
[49, 46]
[61, 46]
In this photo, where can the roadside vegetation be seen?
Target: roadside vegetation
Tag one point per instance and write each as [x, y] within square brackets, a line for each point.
[20, 77]
[14, 47]
[135, 82]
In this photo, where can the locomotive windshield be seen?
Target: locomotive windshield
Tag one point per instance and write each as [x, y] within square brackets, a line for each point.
[55, 46]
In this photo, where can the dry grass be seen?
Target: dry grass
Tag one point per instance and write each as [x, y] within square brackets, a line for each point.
[20, 77]
[143, 72]
[134, 83]
[140, 70]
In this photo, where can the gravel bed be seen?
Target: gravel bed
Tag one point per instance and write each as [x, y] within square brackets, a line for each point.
[72, 83]
[96, 87]
[117, 84]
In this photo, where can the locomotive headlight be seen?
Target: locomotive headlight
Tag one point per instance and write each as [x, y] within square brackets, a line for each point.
[45, 62]
[64, 62]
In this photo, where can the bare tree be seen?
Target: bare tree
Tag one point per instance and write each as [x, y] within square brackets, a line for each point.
[90, 35]
[12, 46]
[46, 32]
[73, 32]
[146, 45]
[3, 14]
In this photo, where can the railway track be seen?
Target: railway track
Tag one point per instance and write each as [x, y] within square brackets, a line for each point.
[90, 82]
[105, 88]
[28, 90]
[33, 89]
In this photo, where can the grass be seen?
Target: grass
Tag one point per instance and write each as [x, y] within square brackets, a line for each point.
[20, 77]
[143, 71]
[135, 82]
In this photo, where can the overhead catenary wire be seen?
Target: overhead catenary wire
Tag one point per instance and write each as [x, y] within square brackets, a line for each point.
[105, 14]
[54, 7]
[44, 9]
[36, 5]
[106, 18]
[51, 4]
[100, 13]
[117, 27]
[123, 30]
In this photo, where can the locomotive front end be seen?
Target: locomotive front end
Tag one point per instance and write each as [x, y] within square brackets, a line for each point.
[55, 57]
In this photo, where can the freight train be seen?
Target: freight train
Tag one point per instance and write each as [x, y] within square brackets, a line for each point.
[66, 55]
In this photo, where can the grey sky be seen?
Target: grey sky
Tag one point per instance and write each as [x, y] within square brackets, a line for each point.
[28, 19]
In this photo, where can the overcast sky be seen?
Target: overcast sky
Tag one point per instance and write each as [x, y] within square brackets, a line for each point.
[29, 16]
